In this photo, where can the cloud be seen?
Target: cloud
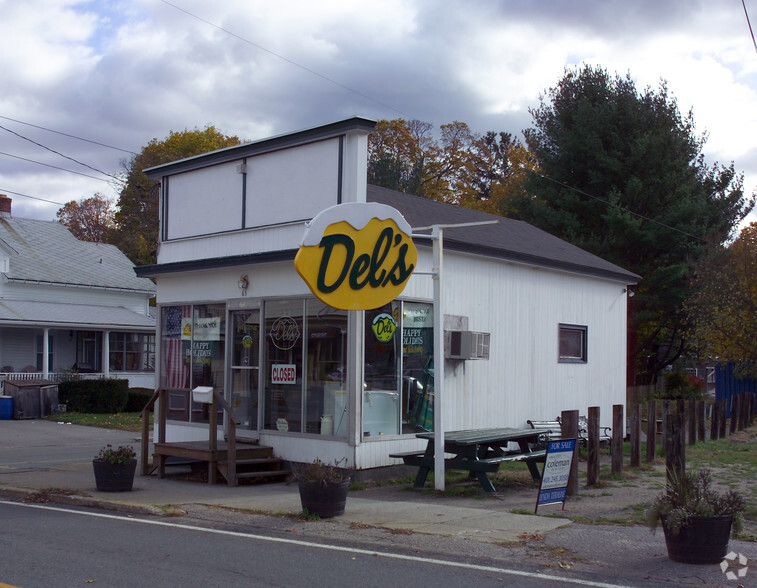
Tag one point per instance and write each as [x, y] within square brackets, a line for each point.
[124, 72]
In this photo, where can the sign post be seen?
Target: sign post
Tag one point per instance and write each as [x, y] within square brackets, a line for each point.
[554, 479]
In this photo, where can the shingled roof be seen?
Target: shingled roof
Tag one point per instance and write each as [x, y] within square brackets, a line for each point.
[47, 252]
[508, 239]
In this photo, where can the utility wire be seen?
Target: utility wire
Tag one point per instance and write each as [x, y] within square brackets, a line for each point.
[604, 201]
[289, 61]
[67, 135]
[4, 191]
[54, 167]
[751, 32]
[120, 180]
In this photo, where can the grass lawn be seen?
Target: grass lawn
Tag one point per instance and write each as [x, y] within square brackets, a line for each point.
[124, 421]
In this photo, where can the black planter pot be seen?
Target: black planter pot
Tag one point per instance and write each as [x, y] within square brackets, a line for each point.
[325, 500]
[703, 541]
[110, 477]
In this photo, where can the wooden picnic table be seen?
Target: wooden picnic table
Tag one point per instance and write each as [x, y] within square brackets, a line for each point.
[479, 451]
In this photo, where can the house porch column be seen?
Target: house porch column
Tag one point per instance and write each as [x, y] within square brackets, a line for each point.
[106, 354]
[45, 353]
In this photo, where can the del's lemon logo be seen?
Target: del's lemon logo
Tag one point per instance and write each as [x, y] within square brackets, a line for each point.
[383, 326]
[357, 256]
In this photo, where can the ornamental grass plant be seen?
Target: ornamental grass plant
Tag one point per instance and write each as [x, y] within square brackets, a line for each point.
[690, 495]
[123, 455]
[321, 472]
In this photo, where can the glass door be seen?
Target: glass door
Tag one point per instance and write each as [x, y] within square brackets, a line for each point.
[245, 359]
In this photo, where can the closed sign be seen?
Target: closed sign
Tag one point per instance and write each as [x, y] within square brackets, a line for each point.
[357, 256]
[284, 373]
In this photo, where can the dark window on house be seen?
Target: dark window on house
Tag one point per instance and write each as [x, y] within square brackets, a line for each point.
[49, 352]
[132, 352]
[572, 344]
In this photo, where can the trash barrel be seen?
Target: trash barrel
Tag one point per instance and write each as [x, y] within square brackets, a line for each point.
[6, 408]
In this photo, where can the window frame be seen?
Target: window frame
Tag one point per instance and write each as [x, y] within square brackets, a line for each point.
[121, 344]
[562, 355]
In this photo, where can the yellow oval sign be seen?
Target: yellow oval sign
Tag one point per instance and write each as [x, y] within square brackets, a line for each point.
[357, 256]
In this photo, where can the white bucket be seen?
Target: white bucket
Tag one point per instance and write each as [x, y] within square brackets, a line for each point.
[327, 424]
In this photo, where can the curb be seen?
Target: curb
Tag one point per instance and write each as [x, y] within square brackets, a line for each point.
[24, 495]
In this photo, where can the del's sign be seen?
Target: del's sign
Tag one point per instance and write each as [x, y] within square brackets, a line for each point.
[357, 256]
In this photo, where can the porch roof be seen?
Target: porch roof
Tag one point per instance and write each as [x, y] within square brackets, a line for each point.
[69, 316]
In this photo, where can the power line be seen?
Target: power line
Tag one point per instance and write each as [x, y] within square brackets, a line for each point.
[68, 135]
[4, 191]
[289, 61]
[54, 167]
[622, 208]
[751, 32]
[61, 154]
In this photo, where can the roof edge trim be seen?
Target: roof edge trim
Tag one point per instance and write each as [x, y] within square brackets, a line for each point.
[149, 271]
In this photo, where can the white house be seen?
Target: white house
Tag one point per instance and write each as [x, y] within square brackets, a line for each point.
[533, 324]
[70, 306]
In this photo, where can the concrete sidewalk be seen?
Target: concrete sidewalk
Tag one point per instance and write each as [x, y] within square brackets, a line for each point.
[40, 455]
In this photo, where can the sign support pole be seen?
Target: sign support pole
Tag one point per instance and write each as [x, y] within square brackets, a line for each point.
[437, 236]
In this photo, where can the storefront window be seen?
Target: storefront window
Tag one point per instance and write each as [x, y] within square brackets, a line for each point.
[192, 354]
[382, 404]
[398, 340]
[417, 366]
[283, 376]
[326, 366]
[306, 367]
[245, 357]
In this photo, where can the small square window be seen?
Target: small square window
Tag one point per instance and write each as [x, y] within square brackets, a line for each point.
[572, 344]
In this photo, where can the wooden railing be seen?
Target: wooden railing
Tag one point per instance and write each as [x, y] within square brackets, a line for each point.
[161, 397]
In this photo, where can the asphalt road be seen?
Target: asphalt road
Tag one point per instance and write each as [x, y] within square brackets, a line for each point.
[44, 546]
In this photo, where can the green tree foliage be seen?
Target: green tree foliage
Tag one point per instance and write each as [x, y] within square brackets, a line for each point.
[137, 215]
[90, 219]
[623, 176]
[457, 167]
[723, 310]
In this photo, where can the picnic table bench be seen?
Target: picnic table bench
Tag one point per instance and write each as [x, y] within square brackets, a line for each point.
[553, 430]
[478, 451]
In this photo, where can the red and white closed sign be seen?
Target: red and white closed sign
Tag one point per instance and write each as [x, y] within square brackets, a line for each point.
[284, 373]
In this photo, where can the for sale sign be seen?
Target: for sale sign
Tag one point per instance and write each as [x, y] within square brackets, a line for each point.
[554, 479]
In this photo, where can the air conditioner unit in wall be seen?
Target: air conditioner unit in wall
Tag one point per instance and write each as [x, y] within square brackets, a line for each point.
[467, 345]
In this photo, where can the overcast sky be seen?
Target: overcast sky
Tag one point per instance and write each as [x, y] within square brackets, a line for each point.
[121, 73]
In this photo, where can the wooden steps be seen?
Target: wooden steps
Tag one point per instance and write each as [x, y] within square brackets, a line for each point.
[252, 462]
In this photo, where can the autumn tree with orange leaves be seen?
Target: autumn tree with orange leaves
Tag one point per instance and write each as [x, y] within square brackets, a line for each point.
[724, 310]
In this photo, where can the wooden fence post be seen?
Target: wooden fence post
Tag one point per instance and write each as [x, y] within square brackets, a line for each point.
[675, 459]
[715, 422]
[723, 415]
[635, 433]
[692, 421]
[569, 430]
[744, 406]
[592, 458]
[734, 413]
[616, 443]
[701, 417]
[651, 429]
[665, 412]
